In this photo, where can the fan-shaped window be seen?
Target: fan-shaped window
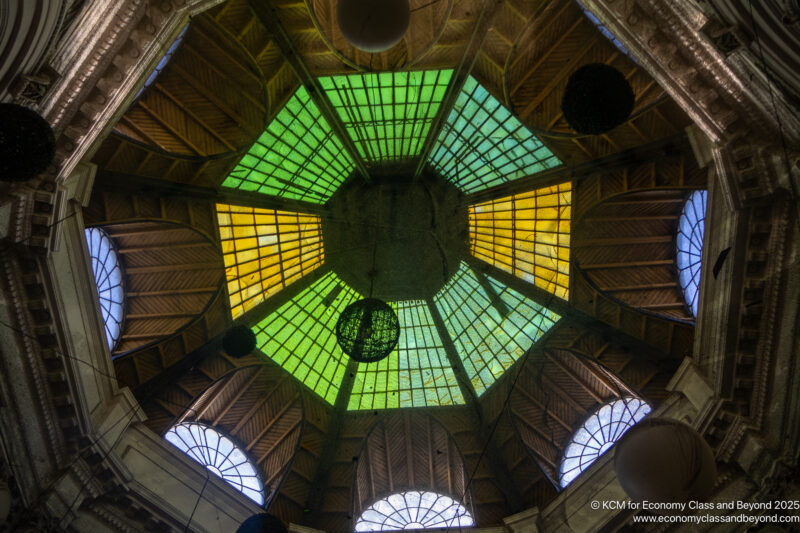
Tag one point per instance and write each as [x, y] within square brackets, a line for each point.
[690, 247]
[413, 510]
[218, 454]
[163, 63]
[108, 278]
[599, 433]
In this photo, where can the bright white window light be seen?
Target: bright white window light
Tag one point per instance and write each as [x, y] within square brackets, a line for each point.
[218, 454]
[598, 434]
[691, 229]
[413, 510]
[108, 278]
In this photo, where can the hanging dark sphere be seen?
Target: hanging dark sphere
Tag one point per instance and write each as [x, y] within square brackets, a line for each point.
[597, 99]
[239, 341]
[373, 25]
[662, 460]
[27, 143]
[367, 330]
[263, 523]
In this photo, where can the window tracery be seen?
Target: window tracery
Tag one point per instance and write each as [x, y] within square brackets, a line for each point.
[219, 455]
[691, 228]
[413, 510]
[599, 433]
[108, 278]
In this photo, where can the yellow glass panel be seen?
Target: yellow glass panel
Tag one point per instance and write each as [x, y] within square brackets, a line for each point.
[527, 234]
[262, 250]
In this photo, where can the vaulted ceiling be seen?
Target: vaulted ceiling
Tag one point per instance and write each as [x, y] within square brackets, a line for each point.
[622, 326]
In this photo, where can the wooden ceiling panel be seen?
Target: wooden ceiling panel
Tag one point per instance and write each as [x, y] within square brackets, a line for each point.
[428, 22]
[208, 100]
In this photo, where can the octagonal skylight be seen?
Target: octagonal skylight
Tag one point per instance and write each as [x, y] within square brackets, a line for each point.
[470, 332]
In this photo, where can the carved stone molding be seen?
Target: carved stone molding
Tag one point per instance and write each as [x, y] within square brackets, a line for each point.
[731, 103]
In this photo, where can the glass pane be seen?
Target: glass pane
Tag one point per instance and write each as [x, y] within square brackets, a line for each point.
[491, 325]
[259, 247]
[210, 448]
[482, 144]
[108, 279]
[527, 235]
[691, 228]
[600, 431]
[298, 156]
[301, 335]
[413, 510]
[388, 115]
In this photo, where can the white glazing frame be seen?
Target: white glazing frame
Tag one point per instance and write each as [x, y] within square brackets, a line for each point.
[689, 242]
[108, 278]
[413, 510]
[219, 455]
[598, 434]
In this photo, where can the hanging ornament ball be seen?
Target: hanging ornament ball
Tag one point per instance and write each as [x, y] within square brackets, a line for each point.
[597, 99]
[662, 460]
[263, 523]
[367, 330]
[239, 341]
[373, 25]
[27, 143]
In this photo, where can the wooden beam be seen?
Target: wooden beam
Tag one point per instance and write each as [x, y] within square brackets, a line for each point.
[162, 246]
[261, 401]
[483, 23]
[655, 354]
[224, 76]
[242, 389]
[504, 480]
[173, 130]
[174, 268]
[625, 241]
[170, 292]
[636, 288]
[132, 125]
[268, 17]
[271, 423]
[572, 374]
[201, 88]
[279, 441]
[577, 22]
[631, 264]
[161, 89]
[156, 316]
[670, 148]
[547, 411]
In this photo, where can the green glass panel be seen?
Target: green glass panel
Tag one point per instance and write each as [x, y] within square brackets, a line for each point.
[489, 331]
[416, 374]
[388, 114]
[482, 144]
[300, 336]
[297, 157]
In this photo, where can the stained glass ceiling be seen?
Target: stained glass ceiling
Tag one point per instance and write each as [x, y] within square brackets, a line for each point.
[475, 325]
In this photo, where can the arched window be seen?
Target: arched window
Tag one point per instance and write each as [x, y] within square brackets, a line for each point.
[691, 228]
[602, 429]
[163, 63]
[218, 454]
[413, 510]
[108, 278]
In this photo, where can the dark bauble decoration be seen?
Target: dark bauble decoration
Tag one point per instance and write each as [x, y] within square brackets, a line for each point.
[373, 25]
[597, 99]
[239, 341]
[263, 523]
[27, 143]
[663, 460]
[367, 330]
